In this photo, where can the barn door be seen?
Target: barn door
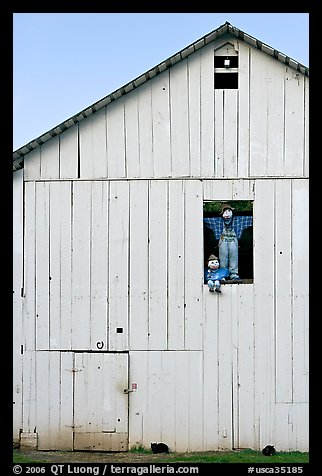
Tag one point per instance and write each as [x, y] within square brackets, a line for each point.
[100, 403]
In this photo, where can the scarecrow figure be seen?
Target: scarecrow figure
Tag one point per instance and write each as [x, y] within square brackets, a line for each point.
[228, 228]
[215, 275]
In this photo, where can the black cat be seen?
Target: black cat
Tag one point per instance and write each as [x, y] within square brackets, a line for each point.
[269, 450]
[159, 448]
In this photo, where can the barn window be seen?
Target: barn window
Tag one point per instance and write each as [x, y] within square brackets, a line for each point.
[226, 67]
[241, 226]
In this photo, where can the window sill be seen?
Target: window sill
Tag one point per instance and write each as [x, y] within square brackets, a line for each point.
[236, 281]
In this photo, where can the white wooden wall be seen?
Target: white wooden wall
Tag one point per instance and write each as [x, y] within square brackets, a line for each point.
[131, 256]
[111, 258]
[17, 263]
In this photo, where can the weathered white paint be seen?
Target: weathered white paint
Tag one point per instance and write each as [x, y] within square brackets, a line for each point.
[250, 335]
[17, 262]
[111, 263]
[118, 262]
[100, 403]
[92, 143]
[54, 416]
[69, 153]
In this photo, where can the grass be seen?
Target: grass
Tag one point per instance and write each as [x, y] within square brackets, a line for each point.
[237, 456]
[19, 458]
[241, 456]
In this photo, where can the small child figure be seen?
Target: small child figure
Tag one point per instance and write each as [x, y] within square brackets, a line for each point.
[215, 275]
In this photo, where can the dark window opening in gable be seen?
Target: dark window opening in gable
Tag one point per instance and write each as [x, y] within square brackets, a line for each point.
[242, 227]
[226, 68]
[226, 80]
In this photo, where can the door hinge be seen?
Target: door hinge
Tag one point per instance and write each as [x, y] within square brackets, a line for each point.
[73, 426]
[73, 370]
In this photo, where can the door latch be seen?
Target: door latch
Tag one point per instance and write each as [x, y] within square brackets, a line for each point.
[134, 387]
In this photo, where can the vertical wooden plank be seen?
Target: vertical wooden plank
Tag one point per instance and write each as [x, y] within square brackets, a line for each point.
[306, 128]
[17, 282]
[193, 264]
[230, 133]
[55, 265]
[182, 401]
[85, 148]
[69, 153]
[264, 312]
[284, 426]
[236, 297]
[139, 266]
[195, 386]
[179, 114]
[144, 101]
[219, 133]
[66, 257]
[60, 266]
[245, 369]
[210, 370]
[138, 373]
[29, 419]
[243, 189]
[88, 395]
[168, 390]
[207, 111]
[154, 391]
[121, 366]
[99, 142]
[294, 123]
[83, 389]
[48, 399]
[92, 146]
[99, 266]
[66, 401]
[118, 261]
[300, 280]
[158, 264]
[42, 265]
[301, 420]
[275, 118]
[31, 170]
[225, 369]
[81, 222]
[161, 125]
[243, 109]
[49, 159]
[176, 266]
[258, 113]
[29, 287]
[132, 145]
[283, 293]
[115, 139]
[194, 112]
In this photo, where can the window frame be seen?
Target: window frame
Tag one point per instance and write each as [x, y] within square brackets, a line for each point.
[243, 208]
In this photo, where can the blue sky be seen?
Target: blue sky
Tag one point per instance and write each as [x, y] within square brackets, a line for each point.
[64, 62]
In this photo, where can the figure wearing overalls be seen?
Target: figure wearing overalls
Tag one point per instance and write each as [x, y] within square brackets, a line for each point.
[228, 243]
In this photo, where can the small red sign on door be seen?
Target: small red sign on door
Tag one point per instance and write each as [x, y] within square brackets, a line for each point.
[134, 386]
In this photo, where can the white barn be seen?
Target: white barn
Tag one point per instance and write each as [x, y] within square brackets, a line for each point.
[117, 341]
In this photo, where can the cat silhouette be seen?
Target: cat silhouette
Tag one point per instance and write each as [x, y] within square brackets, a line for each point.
[269, 450]
[159, 448]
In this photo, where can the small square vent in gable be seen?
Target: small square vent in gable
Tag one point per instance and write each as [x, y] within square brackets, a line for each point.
[226, 67]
